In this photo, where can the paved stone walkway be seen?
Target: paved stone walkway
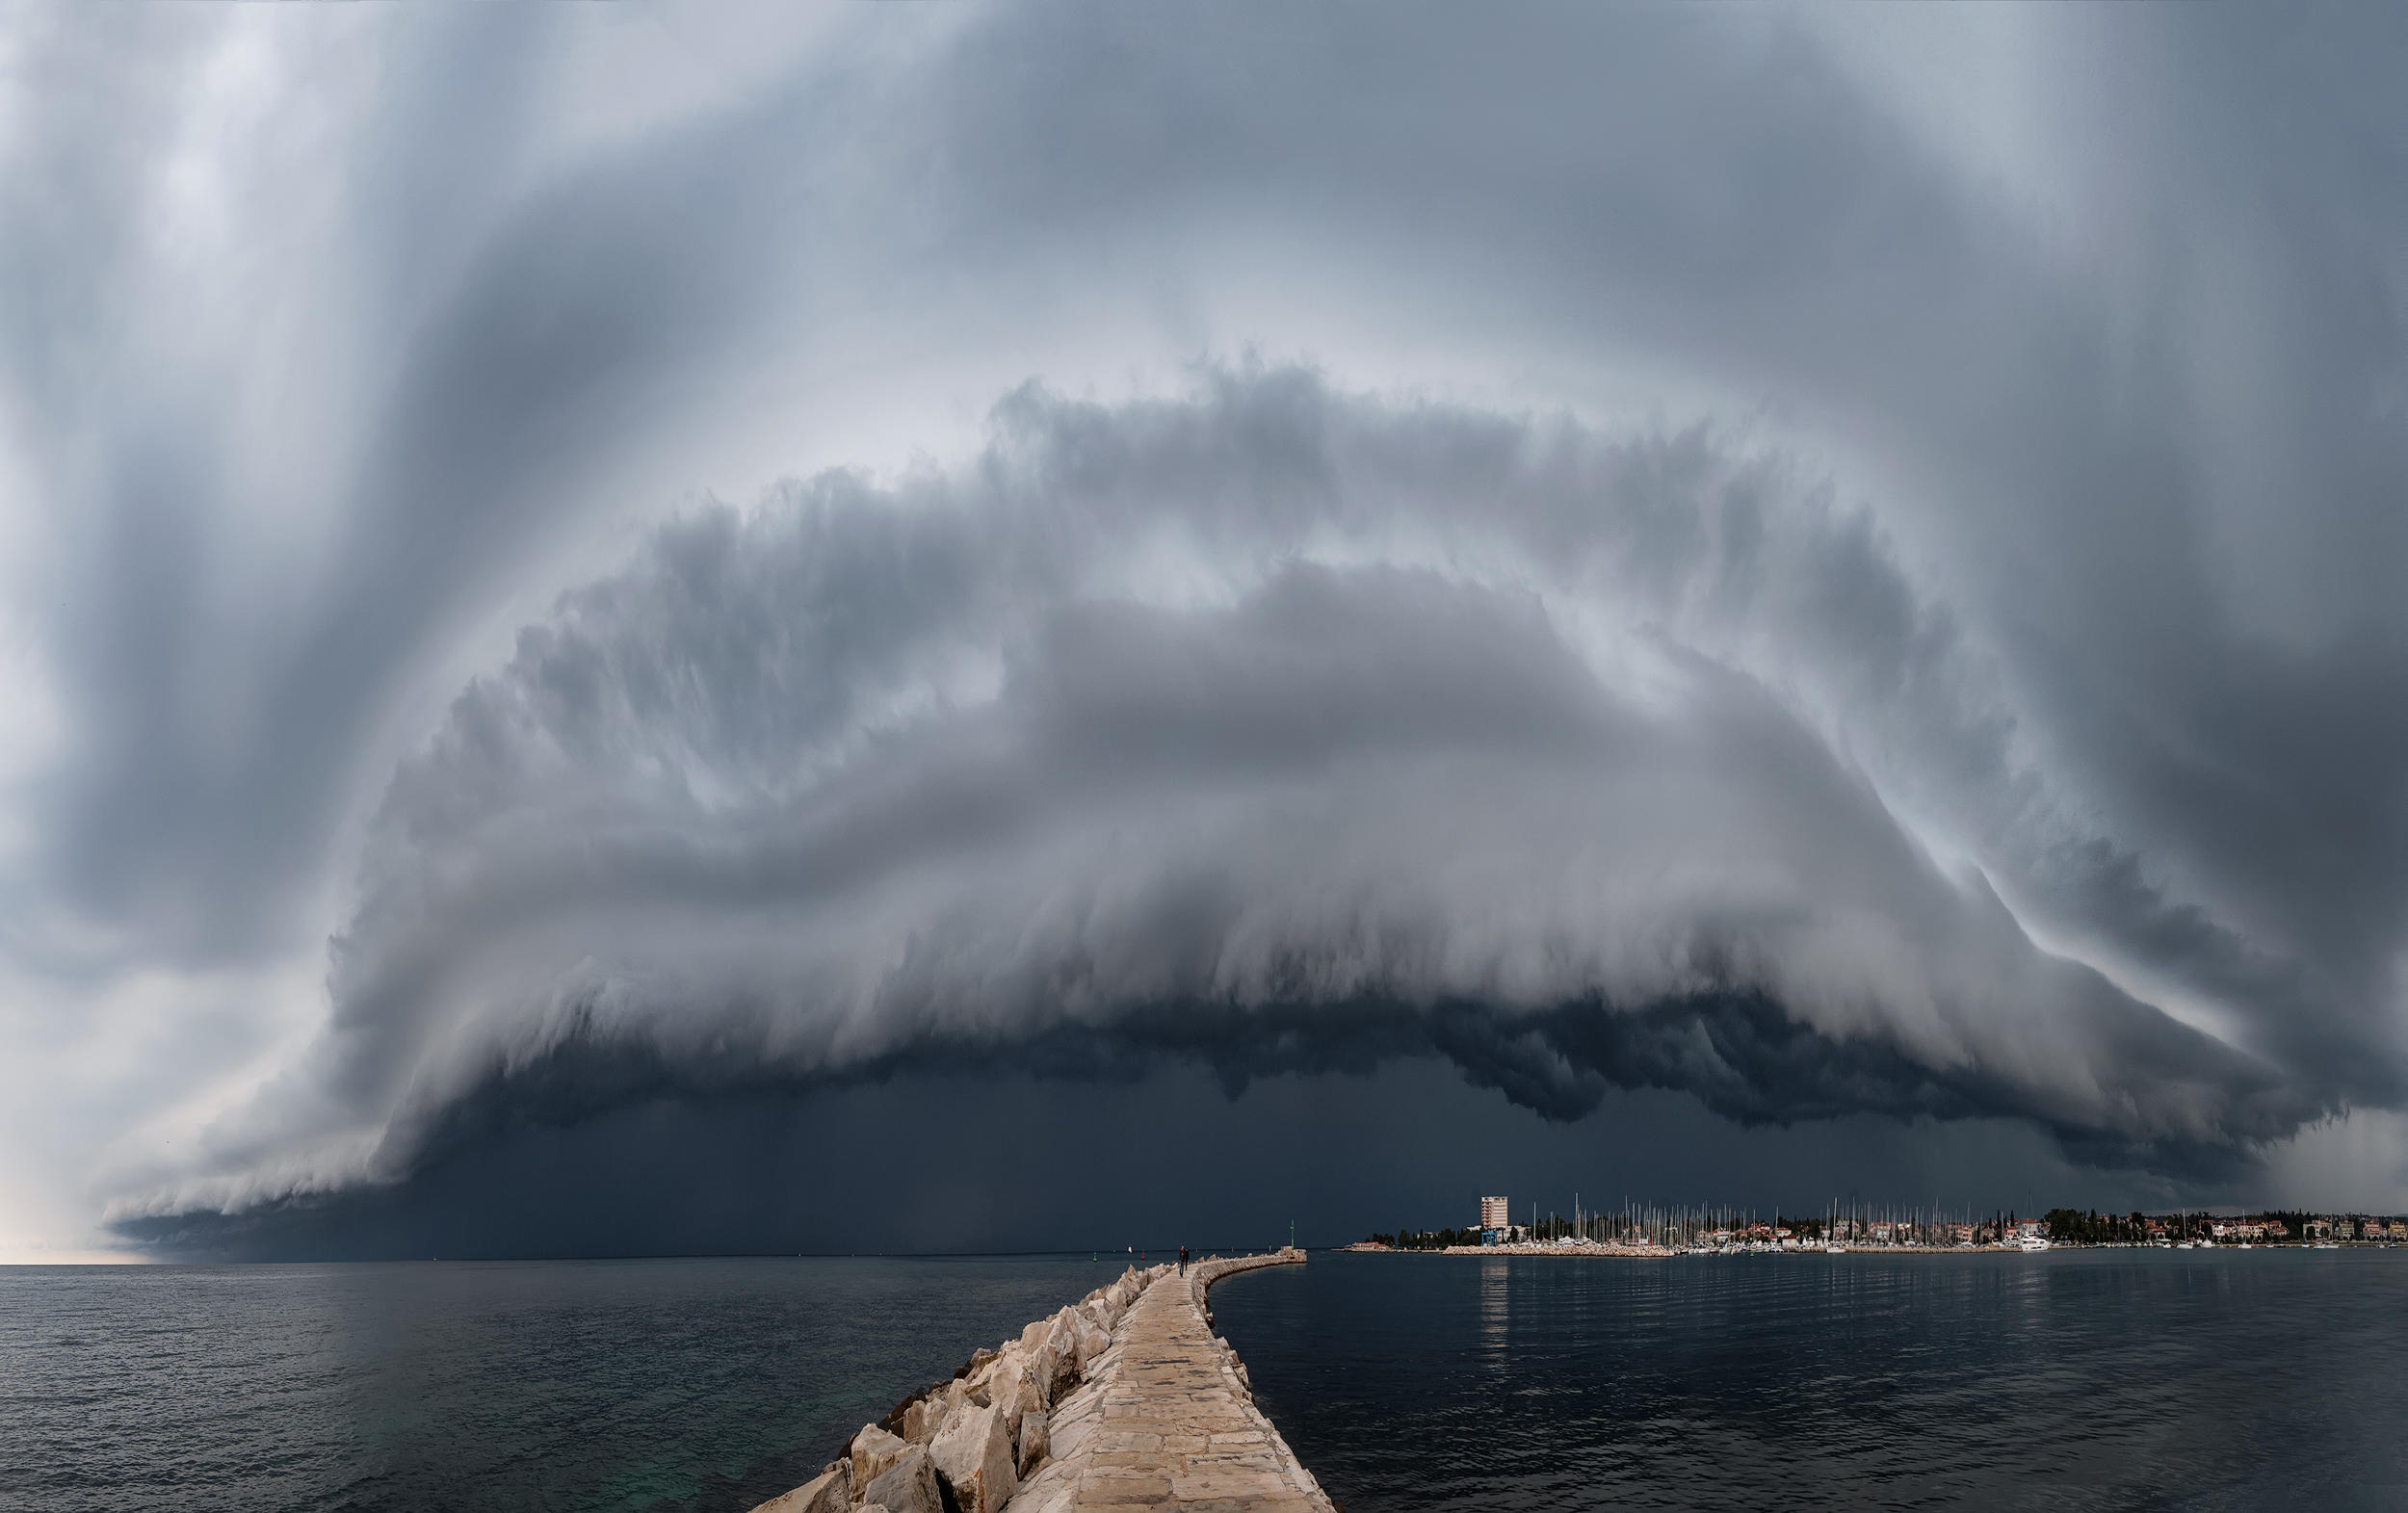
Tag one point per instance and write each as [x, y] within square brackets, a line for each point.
[1171, 1423]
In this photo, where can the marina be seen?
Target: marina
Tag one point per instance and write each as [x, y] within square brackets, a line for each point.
[1649, 1231]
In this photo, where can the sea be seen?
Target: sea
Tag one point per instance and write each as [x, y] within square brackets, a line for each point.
[549, 1386]
[2072, 1379]
[2069, 1380]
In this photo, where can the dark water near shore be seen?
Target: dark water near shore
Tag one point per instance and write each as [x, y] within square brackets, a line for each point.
[2071, 1380]
[602, 1386]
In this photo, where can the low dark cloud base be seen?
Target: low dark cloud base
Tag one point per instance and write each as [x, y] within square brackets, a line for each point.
[597, 1148]
[938, 1162]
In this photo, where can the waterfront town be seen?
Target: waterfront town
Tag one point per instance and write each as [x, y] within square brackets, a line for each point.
[1649, 1229]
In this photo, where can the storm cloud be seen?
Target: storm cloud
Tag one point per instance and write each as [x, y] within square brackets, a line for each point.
[1273, 727]
[1836, 567]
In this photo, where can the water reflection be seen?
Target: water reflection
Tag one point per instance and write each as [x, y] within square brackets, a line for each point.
[1494, 1311]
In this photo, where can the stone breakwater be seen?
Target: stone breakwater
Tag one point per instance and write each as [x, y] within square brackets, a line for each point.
[1123, 1399]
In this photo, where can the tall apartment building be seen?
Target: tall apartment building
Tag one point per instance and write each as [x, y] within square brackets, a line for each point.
[1495, 1213]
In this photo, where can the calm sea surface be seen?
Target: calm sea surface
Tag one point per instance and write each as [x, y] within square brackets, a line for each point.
[596, 1386]
[2070, 1380]
[2074, 1380]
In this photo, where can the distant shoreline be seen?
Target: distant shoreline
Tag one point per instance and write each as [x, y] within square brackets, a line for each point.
[1595, 1251]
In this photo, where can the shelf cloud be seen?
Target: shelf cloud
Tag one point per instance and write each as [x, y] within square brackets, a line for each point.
[1840, 574]
[1272, 727]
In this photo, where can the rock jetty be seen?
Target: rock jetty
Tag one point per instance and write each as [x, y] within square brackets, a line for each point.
[1122, 1400]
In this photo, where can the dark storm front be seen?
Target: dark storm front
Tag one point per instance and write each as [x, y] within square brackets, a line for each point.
[2070, 1380]
[582, 1387]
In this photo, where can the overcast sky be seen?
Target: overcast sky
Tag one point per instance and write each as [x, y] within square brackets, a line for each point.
[652, 628]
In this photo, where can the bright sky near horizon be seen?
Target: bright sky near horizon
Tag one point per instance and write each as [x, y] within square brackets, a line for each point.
[599, 605]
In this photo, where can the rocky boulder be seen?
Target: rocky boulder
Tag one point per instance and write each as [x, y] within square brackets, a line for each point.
[1049, 1374]
[908, 1486]
[974, 1453]
[926, 1419]
[1002, 1389]
[1030, 1399]
[999, 1379]
[872, 1451]
[1092, 1343]
[1064, 1342]
[829, 1492]
[1033, 1439]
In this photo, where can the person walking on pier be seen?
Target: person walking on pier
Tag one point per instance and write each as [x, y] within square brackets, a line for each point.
[1183, 1261]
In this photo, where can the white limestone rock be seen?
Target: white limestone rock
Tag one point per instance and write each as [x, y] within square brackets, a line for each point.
[1002, 1386]
[872, 1451]
[1028, 1400]
[1068, 1427]
[974, 1453]
[1064, 1342]
[1037, 1367]
[1092, 1343]
[1032, 1439]
[909, 1485]
[942, 1411]
[999, 1379]
[829, 1492]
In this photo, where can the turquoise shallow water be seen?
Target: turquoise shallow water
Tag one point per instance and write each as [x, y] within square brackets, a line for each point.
[600, 1387]
[2070, 1380]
